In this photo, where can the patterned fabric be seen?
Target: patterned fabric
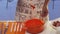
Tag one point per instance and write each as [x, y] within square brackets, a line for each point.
[30, 9]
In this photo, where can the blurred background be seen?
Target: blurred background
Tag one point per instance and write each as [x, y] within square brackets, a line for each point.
[8, 9]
